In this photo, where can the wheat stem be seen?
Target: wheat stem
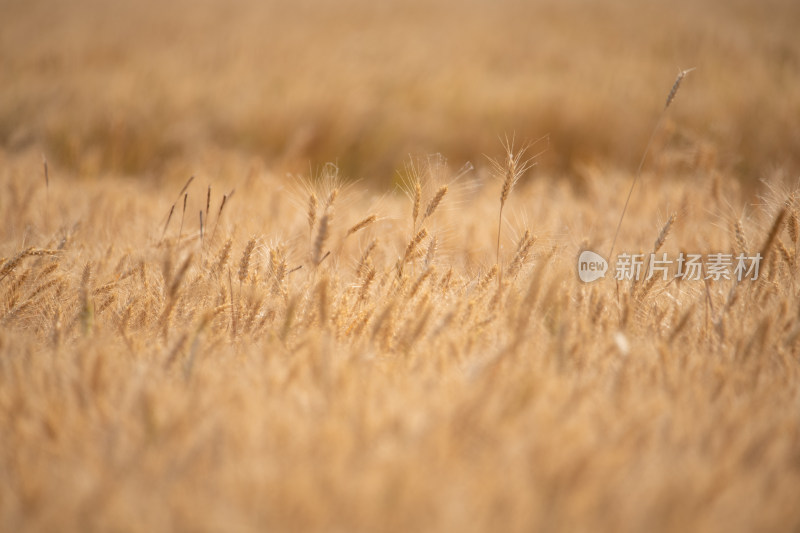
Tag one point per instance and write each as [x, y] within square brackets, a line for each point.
[661, 116]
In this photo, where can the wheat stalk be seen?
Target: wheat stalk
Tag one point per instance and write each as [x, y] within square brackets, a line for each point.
[511, 168]
[636, 176]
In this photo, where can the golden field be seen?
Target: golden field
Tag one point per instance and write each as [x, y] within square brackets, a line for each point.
[328, 328]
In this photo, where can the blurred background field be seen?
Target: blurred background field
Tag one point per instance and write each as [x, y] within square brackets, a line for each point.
[132, 87]
[321, 352]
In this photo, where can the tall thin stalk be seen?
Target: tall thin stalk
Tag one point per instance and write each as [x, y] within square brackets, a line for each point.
[670, 97]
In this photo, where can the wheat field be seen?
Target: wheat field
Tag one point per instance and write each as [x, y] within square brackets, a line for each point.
[313, 267]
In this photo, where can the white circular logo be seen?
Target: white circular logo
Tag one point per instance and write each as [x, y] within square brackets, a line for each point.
[591, 266]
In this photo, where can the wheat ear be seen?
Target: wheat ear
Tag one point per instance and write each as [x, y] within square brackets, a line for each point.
[358, 226]
[166, 225]
[511, 168]
[311, 215]
[244, 263]
[434, 203]
[183, 215]
[662, 236]
[322, 236]
[773, 232]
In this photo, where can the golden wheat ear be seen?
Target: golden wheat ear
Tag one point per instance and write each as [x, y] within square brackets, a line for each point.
[677, 85]
[322, 236]
[358, 226]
